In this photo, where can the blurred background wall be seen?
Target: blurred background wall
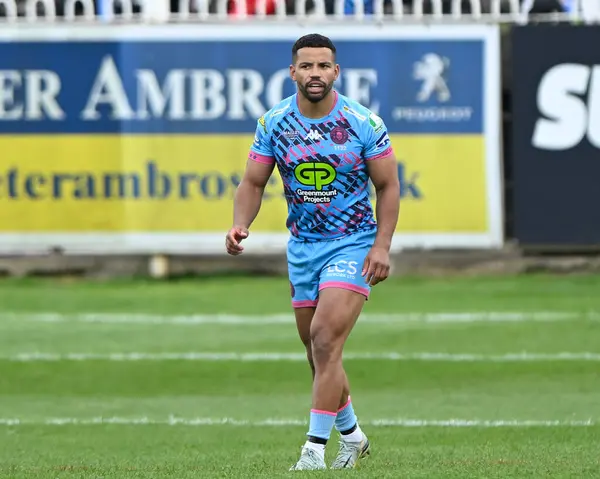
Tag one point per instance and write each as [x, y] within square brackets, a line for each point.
[125, 127]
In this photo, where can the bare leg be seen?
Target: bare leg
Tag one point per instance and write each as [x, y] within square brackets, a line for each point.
[333, 320]
[324, 331]
[304, 317]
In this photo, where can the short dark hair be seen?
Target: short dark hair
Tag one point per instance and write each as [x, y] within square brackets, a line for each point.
[312, 40]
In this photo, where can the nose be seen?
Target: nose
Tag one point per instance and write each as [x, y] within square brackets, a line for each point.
[315, 73]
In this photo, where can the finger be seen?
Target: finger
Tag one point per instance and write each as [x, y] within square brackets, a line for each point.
[236, 248]
[376, 275]
[241, 233]
[231, 237]
[383, 274]
[234, 251]
[232, 245]
[371, 273]
[380, 275]
[366, 265]
[236, 236]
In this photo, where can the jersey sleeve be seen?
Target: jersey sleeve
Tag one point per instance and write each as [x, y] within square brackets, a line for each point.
[376, 140]
[261, 149]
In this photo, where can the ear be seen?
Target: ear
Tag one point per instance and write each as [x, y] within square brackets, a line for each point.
[337, 71]
[293, 72]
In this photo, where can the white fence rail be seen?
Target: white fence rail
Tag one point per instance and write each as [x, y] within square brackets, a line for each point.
[405, 11]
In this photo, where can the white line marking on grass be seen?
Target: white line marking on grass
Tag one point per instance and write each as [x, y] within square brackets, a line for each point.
[295, 357]
[275, 422]
[259, 320]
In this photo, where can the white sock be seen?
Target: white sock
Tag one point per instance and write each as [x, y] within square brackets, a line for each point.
[355, 436]
[318, 448]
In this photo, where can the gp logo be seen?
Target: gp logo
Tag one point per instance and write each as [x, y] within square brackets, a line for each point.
[315, 174]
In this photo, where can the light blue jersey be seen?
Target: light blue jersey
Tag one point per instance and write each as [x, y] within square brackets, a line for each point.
[323, 165]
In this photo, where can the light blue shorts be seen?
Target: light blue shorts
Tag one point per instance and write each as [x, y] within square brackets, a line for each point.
[338, 263]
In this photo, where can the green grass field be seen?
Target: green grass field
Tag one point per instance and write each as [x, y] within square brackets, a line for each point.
[451, 378]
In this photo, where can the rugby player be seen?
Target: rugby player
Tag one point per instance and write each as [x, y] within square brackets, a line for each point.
[326, 148]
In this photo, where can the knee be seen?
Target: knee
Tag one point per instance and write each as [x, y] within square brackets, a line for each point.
[323, 345]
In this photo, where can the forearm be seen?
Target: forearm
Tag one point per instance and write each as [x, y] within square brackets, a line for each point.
[246, 204]
[387, 211]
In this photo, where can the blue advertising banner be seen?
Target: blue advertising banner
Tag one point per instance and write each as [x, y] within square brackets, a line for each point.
[416, 86]
[99, 106]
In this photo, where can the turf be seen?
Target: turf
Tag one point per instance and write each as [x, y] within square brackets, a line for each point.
[37, 392]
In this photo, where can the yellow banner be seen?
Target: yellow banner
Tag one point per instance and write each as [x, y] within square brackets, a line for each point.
[183, 183]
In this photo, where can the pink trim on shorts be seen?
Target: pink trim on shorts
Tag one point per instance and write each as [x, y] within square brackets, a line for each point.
[345, 405]
[319, 411]
[305, 303]
[267, 160]
[348, 286]
[383, 154]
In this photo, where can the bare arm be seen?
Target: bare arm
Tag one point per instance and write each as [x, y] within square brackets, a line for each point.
[249, 193]
[384, 175]
[246, 204]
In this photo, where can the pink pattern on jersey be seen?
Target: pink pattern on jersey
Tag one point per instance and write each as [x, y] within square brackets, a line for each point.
[297, 152]
[267, 160]
[339, 116]
[383, 154]
[349, 158]
[306, 150]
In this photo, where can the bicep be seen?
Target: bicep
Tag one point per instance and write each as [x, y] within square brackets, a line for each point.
[261, 161]
[383, 171]
[257, 173]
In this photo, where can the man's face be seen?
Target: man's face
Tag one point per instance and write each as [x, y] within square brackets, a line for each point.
[314, 72]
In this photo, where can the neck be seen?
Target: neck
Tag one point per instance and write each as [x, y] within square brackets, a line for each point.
[316, 110]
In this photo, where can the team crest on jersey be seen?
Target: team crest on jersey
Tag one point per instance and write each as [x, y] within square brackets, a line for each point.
[339, 135]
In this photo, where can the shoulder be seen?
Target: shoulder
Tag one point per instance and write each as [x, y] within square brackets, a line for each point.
[360, 116]
[275, 113]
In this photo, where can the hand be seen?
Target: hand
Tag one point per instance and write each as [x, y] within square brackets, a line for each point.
[377, 266]
[234, 238]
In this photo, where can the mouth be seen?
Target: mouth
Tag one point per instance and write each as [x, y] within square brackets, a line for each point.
[315, 87]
